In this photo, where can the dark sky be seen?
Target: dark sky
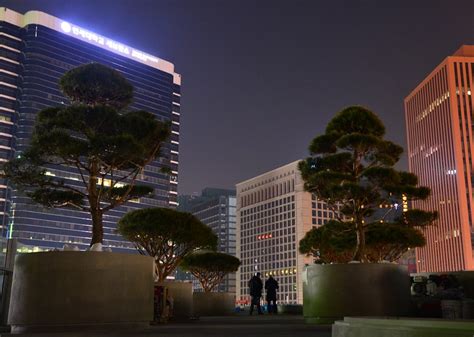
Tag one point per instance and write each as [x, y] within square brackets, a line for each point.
[262, 78]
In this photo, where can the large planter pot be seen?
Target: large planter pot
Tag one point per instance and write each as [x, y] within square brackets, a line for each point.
[331, 292]
[75, 290]
[213, 304]
[182, 295]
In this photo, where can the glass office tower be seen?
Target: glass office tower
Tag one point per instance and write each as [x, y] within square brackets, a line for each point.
[36, 49]
[216, 207]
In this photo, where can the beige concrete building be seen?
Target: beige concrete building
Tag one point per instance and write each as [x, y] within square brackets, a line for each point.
[273, 214]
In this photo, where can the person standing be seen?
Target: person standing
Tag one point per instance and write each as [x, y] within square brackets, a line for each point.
[255, 287]
[271, 286]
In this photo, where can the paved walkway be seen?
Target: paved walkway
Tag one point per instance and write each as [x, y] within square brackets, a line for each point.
[235, 326]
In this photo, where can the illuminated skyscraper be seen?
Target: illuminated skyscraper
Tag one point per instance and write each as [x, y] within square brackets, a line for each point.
[36, 49]
[274, 212]
[439, 123]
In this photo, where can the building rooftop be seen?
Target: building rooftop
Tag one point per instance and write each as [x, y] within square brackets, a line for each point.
[465, 50]
[271, 172]
[67, 28]
[216, 192]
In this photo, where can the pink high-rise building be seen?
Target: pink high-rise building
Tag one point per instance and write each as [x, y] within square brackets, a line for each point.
[439, 122]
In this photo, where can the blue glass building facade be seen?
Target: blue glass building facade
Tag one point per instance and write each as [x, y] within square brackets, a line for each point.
[36, 49]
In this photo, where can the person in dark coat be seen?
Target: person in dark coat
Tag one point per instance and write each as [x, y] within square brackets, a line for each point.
[256, 286]
[271, 286]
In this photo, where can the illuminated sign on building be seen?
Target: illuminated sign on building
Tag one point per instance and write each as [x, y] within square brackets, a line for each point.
[106, 43]
[64, 27]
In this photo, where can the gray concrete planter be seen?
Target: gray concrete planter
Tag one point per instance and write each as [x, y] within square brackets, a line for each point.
[213, 304]
[182, 295]
[76, 290]
[331, 292]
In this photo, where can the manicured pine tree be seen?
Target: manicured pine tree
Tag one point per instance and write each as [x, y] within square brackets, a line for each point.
[351, 169]
[97, 137]
[166, 235]
[210, 268]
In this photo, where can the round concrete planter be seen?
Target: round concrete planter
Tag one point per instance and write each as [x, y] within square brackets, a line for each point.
[76, 290]
[213, 304]
[331, 292]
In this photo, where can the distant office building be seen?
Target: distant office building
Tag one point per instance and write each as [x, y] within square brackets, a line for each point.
[186, 201]
[273, 215]
[36, 49]
[216, 208]
[439, 122]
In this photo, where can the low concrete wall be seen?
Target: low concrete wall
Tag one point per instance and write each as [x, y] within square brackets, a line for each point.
[80, 288]
[333, 291]
[213, 304]
[356, 327]
[290, 309]
[182, 294]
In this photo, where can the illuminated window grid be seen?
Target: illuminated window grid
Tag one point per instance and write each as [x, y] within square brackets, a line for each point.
[438, 114]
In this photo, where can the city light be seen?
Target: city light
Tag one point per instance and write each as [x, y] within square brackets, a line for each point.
[104, 42]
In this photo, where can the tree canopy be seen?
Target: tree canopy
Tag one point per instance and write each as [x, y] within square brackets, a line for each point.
[335, 242]
[102, 143]
[167, 235]
[351, 170]
[210, 267]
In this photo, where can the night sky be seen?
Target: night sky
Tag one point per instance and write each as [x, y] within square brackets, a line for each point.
[262, 78]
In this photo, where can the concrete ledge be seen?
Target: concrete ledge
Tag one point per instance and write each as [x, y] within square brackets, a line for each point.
[290, 309]
[401, 327]
[213, 304]
[80, 289]
[77, 329]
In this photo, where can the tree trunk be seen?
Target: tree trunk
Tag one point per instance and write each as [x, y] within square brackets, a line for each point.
[94, 204]
[158, 272]
[206, 287]
[360, 254]
[97, 226]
